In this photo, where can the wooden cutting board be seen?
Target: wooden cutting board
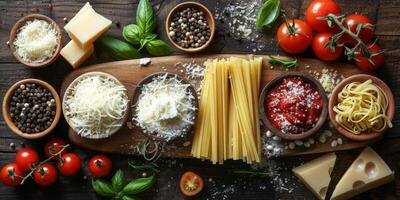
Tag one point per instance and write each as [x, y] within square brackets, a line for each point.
[129, 72]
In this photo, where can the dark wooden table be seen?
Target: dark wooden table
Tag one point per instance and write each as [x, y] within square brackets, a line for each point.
[220, 182]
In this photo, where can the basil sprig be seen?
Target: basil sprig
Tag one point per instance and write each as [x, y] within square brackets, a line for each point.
[118, 49]
[145, 17]
[268, 13]
[119, 189]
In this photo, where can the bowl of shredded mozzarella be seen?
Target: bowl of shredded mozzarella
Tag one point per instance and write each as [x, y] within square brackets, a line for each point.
[95, 105]
[164, 107]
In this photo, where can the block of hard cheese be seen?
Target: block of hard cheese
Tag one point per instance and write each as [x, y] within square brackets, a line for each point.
[87, 26]
[367, 171]
[316, 174]
[74, 54]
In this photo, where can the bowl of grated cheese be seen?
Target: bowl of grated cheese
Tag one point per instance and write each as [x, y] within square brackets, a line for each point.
[35, 40]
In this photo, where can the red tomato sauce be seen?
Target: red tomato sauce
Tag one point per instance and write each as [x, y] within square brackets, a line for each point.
[293, 106]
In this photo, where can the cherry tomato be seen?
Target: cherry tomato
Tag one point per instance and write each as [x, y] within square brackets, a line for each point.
[11, 175]
[45, 175]
[294, 36]
[53, 146]
[364, 64]
[26, 159]
[318, 9]
[100, 165]
[191, 183]
[318, 47]
[69, 164]
[366, 33]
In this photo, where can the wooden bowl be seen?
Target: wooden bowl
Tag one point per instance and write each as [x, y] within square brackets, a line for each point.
[208, 15]
[6, 108]
[138, 91]
[68, 91]
[22, 22]
[322, 117]
[333, 102]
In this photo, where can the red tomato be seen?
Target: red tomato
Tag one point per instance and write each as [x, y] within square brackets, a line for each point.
[366, 34]
[46, 175]
[318, 9]
[69, 164]
[295, 36]
[191, 183]
[100, 165]
[318, 47]
[11, 175]
[26, 159]
[364, 64]
[53, 146]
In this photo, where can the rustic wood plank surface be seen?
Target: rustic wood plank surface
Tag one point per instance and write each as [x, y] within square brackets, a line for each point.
[221, 183]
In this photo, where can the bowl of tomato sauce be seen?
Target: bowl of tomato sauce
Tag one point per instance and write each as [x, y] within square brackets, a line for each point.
[293, 106]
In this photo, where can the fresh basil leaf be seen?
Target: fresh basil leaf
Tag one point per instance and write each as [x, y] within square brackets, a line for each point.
[158, 48]
[118, 49]
[103, 188]
[129, 198]
[118, 181]
[268, 13]
[145, 17]
[132, 34]
[139, 185]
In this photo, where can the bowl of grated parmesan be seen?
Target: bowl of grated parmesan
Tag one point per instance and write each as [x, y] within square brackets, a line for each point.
[35, 40]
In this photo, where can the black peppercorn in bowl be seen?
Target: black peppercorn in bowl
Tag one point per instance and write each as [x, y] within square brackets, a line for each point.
[190, 27]
[31, 108]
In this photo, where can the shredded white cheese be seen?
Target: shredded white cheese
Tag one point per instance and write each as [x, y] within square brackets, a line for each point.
[36, 41]
[96, 106]
[165, 108]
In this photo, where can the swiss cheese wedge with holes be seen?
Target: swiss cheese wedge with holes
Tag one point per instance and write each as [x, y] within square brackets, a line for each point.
[316, 174]
[367, 171]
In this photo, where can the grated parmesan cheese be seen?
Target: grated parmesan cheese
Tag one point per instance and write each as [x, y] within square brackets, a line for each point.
[36, 41]
[96, 106]
[165, 108]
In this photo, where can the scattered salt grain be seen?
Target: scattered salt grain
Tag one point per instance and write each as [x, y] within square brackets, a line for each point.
[311, 141]
[339, 141]
[276, 138]
[144, 61]
[298, 142]
[334, 143]
[269, 133]
[322, 138]
[292, 145]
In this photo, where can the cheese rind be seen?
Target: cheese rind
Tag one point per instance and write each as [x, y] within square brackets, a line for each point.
[367, 171]
[316, 174]
[74, 54]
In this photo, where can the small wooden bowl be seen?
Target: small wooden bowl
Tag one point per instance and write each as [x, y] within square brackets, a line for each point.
[322, 118]
[138, 91]
[6, 108]
[333, 102]
[208, 15]
[68, 91]
[22, 22]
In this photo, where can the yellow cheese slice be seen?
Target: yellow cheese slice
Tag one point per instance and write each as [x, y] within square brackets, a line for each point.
[74, 54]
[316, 174]
[367, 171]
[87, 26]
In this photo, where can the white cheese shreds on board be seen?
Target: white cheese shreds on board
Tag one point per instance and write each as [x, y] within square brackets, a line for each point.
[328, 79]
[165, 108]
[36, 41]
[96, 106]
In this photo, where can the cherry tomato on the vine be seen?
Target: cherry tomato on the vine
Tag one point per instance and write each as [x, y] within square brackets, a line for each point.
[326, 54]
[100, 165]
[69, 164]
[45, 175]
[294, 36]
[366, 33]
[53, 146]
[11, 175]
[363, 62]
[318, 9]
[26, 159]
[191, 183]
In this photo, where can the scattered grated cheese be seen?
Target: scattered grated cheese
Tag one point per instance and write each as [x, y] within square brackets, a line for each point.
[36, 41]
[328, 79]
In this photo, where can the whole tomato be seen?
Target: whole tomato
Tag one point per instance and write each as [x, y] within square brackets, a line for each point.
[53, 146]
[69, 164]
[364, 64]
[45, 175]
[318, 9]
[26, 159]
[366, 33]
[294, 36]
[100, 165]
[326, 54]
[11, 175]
